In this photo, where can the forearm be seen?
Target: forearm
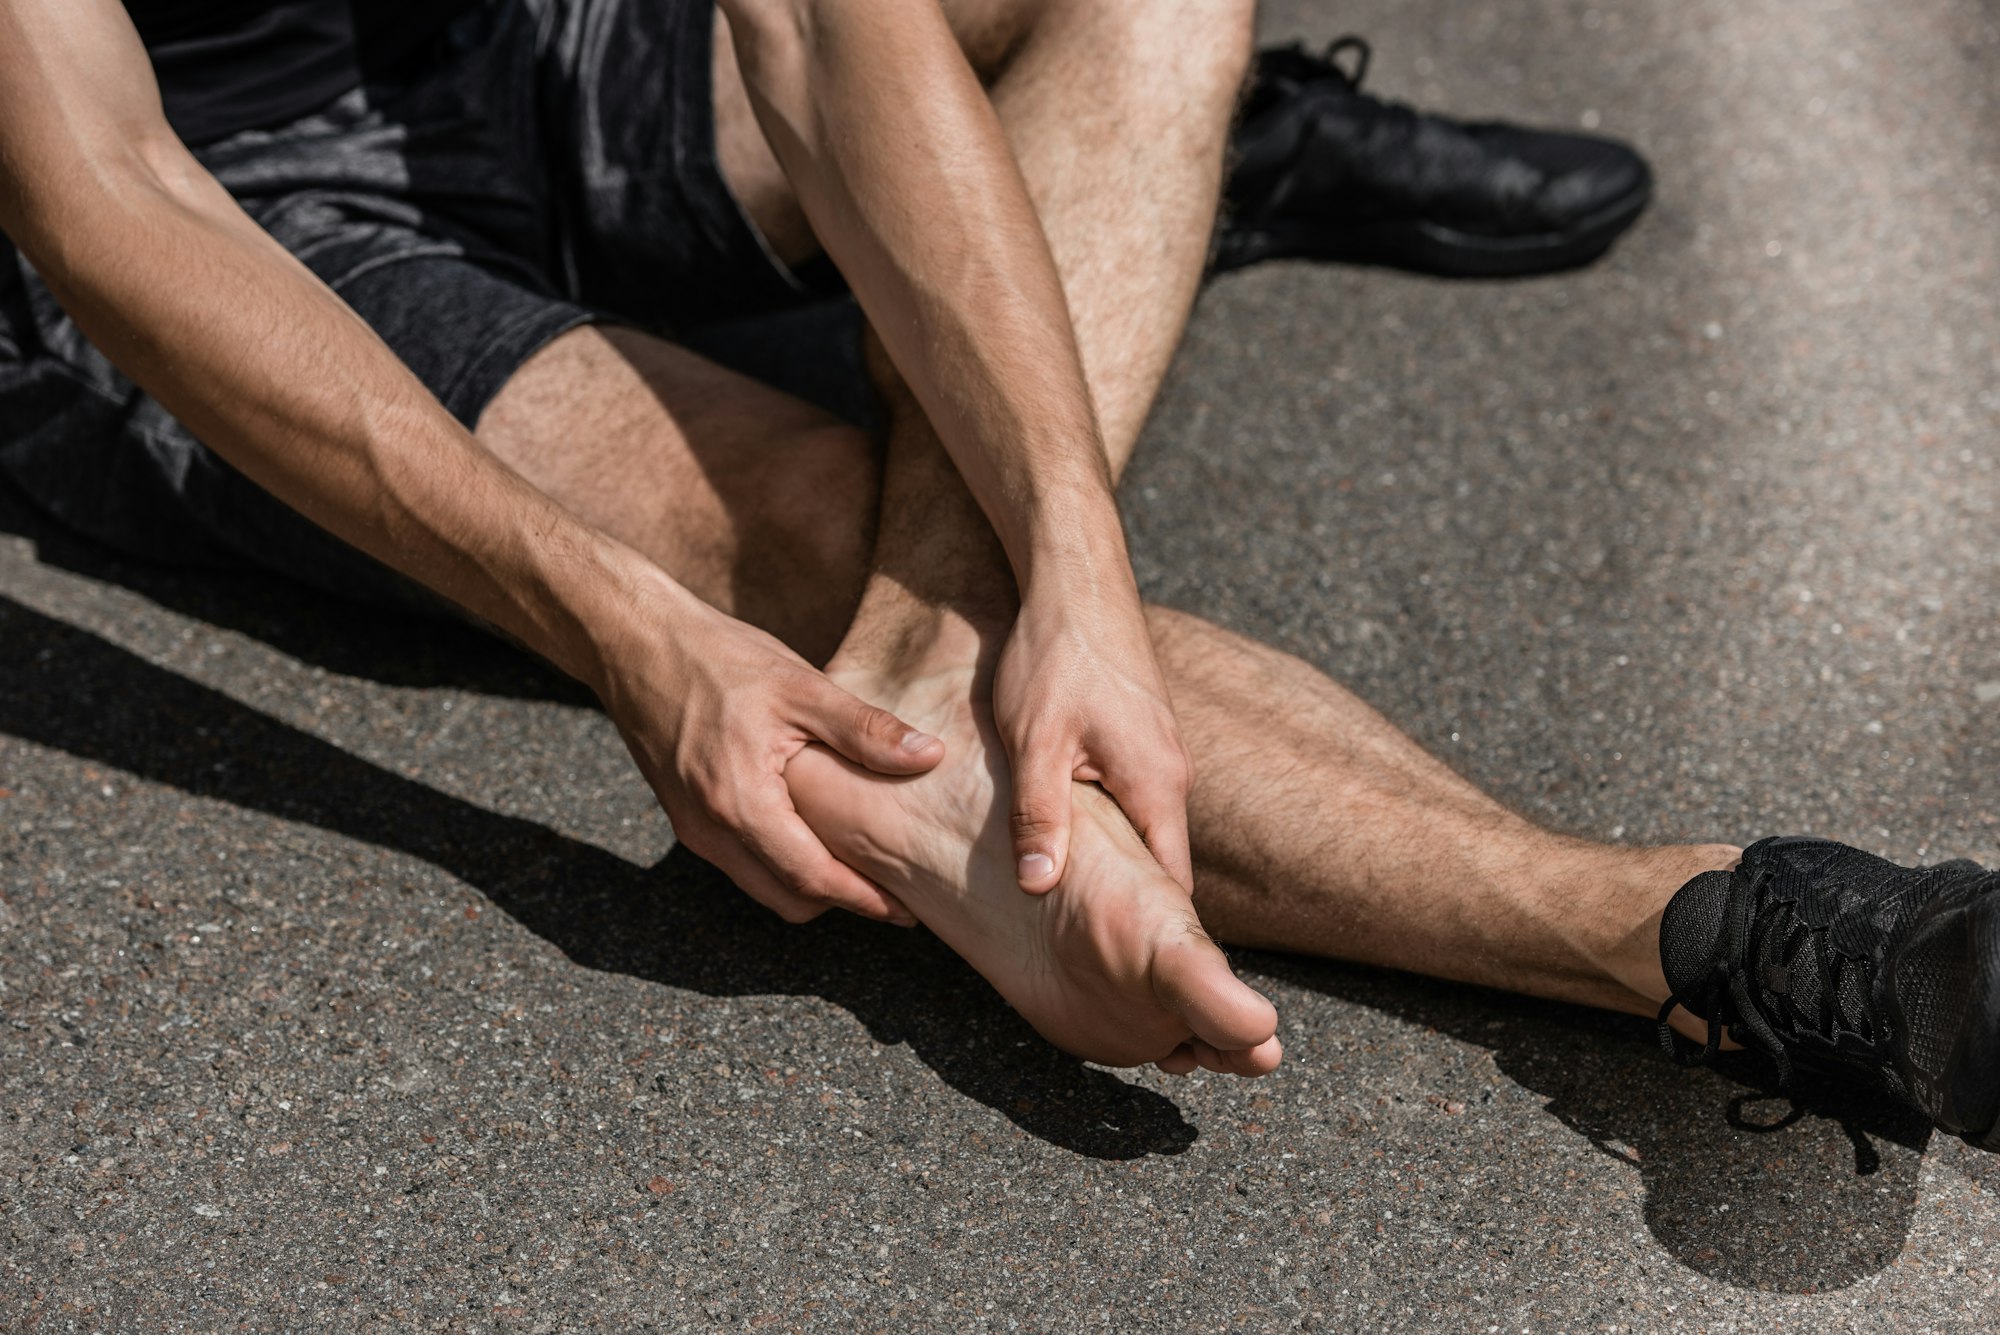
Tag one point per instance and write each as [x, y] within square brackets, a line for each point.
[270, 369]
[907, 178]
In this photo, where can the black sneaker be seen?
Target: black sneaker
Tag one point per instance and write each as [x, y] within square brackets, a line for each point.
[1839, 961]
[1324, 171]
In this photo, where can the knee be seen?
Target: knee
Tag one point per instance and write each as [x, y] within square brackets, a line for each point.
[1196, 53]
[1191, 47]
[1215, 47]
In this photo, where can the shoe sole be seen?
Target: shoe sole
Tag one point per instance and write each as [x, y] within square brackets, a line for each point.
[1422, 246]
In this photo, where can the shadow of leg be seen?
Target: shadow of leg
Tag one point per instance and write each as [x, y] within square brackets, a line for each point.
[1799, 1193]
[678, 923]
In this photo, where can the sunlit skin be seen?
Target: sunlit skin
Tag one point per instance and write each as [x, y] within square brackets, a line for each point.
[910, 677]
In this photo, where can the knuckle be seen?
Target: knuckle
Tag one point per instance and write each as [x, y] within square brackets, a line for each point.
[1033, 820]
[877, 723]
[717, 815]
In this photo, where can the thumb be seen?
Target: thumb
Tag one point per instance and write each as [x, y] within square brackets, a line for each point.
[870, 737]
[1040, 820]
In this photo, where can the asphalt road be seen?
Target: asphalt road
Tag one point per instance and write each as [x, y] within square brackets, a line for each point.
[350, 982]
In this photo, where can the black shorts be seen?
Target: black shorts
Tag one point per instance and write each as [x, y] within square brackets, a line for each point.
[540, 165]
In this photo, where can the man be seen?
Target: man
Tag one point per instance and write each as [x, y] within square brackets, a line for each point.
[396, 288]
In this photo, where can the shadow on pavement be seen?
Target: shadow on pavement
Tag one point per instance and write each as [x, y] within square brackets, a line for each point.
[678, 923]
[1801, 1192]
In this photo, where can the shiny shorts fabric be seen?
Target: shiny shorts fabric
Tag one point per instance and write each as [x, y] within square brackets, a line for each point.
[541, 164]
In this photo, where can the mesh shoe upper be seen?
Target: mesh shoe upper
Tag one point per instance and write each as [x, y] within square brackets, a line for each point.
[1833, 958]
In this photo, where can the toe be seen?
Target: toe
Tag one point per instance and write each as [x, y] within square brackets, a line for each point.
[1260, 1060]
[1192, 978]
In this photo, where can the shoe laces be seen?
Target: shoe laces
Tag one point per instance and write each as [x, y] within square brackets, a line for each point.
[1293, 63]
[1390, 123]
[1363, 53]
[1739, 991]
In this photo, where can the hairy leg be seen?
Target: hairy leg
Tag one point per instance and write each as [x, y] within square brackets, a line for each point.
[1119, 120]
[761, 504]
[1420, 871]
[1319, 828]
[766, 507]
[1119, 116]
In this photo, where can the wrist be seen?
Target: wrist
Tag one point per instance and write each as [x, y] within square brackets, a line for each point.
[1076, 553]
[611, 610]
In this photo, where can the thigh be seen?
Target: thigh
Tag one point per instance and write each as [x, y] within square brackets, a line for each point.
[759, 502]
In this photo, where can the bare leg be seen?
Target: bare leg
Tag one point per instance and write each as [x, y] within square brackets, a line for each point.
[1414, 869]
[1128, 218]
[1320, 828]
[761, 504]
[765, 506]
[1119, 116]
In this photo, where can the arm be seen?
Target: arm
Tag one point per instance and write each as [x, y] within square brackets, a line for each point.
[903, 170]
[158, 265]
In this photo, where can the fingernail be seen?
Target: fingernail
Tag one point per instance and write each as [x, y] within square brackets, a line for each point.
[1036, 866]
[917, 741]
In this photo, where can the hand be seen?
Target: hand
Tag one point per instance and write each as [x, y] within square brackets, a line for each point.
[1078, 694]
[713, 712]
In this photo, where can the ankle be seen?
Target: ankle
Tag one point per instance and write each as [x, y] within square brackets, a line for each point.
[896, 642]
[1630, 952]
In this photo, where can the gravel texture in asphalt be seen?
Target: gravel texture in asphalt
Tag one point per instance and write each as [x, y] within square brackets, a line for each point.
[350, 980]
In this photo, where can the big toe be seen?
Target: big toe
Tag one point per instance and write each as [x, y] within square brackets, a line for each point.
[1192, 978]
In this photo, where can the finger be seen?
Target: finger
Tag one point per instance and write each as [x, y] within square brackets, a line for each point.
[1160, 816]
[1040, 819]
[871, 737]
[1180, 1061]
[794, 854]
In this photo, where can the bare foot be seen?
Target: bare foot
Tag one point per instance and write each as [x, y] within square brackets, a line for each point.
[1112, 965]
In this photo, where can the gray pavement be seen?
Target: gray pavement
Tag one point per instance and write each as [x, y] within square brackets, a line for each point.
[349, 981]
